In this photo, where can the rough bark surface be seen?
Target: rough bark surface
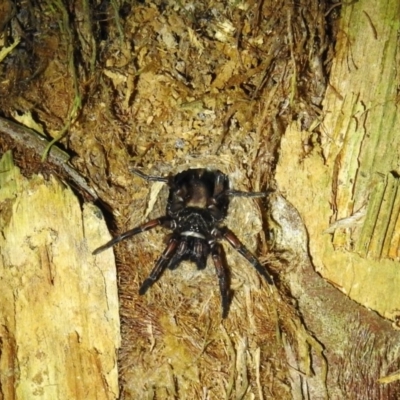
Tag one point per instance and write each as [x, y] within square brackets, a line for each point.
[345, 188]
[350, 178]
[59, 320]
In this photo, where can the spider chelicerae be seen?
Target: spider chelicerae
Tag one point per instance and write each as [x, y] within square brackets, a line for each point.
[197, 205]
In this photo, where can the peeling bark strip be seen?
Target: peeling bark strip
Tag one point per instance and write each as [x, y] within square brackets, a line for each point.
[59, 321]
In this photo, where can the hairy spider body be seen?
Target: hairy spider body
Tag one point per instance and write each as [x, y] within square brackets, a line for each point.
[197, 205]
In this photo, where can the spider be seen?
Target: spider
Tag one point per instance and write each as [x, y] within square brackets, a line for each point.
[197, 205]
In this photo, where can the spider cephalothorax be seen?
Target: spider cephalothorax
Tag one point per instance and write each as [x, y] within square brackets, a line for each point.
[197, 205]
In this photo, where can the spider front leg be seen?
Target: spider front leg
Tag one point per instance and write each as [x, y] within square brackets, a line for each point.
[241, 248]
[163, 221]
[150, 178]
[223, 277]
[239, 193]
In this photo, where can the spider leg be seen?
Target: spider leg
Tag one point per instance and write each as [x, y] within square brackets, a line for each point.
[201, 250]
[239, 193]
[195, 249]
[220, 184]
[179, 254]
[163, 221]
[223, 277]
[220, 189]
[198, 250]
[160, 266]
[150, 178]
[241, 248]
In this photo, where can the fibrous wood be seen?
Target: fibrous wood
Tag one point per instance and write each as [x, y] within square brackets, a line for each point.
[347, 188]
[59, 322]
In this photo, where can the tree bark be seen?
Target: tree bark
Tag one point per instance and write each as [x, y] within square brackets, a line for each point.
[59, 326]
[346, 192]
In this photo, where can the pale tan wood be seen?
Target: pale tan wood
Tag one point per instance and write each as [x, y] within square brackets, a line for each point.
[58, 304]
[347, 189]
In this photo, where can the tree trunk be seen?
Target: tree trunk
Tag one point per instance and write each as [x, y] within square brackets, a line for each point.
[59, 306]
[346, 190]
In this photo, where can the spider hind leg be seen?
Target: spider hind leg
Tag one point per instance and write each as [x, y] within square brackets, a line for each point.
[180, 254]
[200, 252]
[193, 249]
[218, 257]
[160, 265]
[242, 249]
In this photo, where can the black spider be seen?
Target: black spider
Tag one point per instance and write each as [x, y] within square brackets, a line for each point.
[197, 205]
